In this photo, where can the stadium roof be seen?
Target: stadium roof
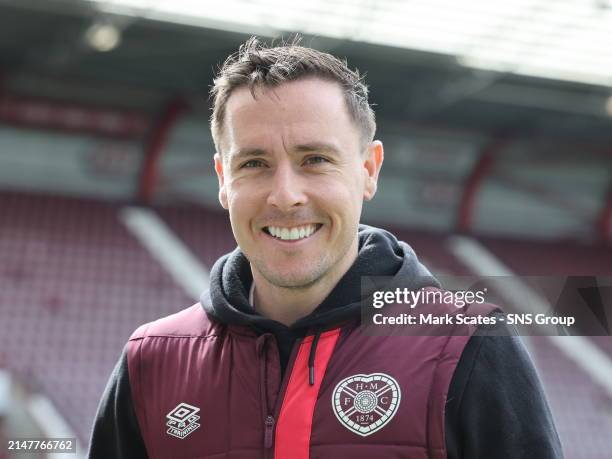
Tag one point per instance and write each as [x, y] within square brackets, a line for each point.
[564, 40]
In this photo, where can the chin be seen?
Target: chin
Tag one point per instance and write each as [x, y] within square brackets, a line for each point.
[291, 279]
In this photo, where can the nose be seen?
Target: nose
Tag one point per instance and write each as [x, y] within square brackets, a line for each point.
[287, 188]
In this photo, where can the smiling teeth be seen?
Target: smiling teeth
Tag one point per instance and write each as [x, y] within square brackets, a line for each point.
[292, 234]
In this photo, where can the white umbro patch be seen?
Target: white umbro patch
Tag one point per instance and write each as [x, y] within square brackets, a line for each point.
[182, 420]
[364, 404]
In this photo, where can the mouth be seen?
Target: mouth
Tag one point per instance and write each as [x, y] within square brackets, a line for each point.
[292, 234]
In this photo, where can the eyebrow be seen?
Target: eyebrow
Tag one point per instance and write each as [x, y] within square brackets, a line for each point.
[302, 148]
[247, 153]
[317, 146]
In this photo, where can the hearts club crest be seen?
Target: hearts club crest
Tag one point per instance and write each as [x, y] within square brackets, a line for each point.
[364, 404]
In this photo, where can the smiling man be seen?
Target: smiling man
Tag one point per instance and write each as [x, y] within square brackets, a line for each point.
[273, 362]
[294, 170]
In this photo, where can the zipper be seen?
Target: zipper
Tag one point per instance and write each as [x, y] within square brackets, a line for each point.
[271, 416]
[269, 435]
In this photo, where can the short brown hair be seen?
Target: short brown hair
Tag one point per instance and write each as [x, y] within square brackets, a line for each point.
[255, 64]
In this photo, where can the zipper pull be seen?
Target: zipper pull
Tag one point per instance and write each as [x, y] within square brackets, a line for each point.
[269, 435]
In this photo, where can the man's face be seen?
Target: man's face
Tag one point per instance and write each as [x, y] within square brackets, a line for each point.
[293, 175]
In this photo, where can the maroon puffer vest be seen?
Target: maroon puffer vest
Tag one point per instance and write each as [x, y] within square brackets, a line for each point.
[202, 389]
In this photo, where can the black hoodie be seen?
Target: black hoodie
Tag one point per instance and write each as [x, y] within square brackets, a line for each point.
[496, 407]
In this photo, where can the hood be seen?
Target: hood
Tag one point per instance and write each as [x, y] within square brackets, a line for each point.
[380, 254]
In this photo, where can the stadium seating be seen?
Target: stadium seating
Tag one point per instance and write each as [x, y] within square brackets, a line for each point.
[75, 284]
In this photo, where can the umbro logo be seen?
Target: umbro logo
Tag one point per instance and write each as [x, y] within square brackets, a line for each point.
[182, 420]
[364, 404]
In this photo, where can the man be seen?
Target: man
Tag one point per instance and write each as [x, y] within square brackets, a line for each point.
[273, 362]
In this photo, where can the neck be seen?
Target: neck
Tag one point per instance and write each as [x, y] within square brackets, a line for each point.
[287, 305]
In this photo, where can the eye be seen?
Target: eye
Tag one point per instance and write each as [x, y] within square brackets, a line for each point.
[316, 160]
[251, 164]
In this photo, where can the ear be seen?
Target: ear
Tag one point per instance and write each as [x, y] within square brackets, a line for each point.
[371, 166]
[221, 177]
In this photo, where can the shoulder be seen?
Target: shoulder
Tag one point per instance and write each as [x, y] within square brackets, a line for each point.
[496, 375]
[190, 322]
[168, 336]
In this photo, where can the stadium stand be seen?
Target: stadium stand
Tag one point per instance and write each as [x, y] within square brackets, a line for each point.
[206, 232]
[75, 285]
